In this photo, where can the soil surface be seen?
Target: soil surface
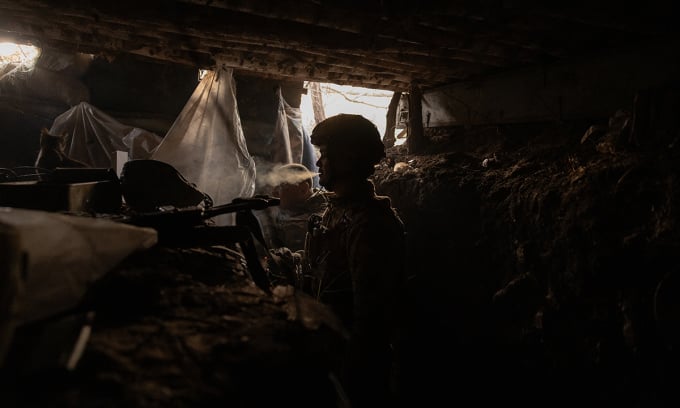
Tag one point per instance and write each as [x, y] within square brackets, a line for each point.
[181, 327]
[543, 260]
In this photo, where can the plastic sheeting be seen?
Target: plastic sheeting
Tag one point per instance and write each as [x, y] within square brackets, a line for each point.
[93, 136]
[50, 260]
[309, 157]
[287, 141]
[206, 143]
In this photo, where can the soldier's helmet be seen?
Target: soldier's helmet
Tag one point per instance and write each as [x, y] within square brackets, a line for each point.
[350, 137]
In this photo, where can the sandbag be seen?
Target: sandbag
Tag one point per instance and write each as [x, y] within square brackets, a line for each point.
[49, 260]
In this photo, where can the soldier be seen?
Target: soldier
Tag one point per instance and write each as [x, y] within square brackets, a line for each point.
[286, 224]
[353, 259]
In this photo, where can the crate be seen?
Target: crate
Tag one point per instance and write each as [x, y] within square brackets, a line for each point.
[72, 191]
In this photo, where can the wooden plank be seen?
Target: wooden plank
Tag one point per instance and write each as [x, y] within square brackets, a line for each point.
[425, 66]
[391, 120]
[415, 142]
[378, 34]
[318, 40]
[317, 102]
[290, 64]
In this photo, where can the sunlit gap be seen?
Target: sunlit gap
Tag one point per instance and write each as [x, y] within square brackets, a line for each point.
[334, 99]
[17, 57]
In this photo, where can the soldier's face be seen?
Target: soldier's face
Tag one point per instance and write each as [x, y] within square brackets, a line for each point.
[325, 169]
[333, 168]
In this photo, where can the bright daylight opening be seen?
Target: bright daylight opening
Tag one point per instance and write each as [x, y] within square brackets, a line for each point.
[324, 100]
[17, 57]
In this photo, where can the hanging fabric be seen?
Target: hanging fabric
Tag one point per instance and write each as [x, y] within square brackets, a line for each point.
[287, 141]
[92, 136]
[206, 143]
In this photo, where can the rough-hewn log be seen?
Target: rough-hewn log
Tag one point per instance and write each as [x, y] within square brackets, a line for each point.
[378, 33]
[388, 20]
[392, 52]
[391, 120]
[415, 141]
[317, 102]
[383, 43]
[305, 60]
[276, 64]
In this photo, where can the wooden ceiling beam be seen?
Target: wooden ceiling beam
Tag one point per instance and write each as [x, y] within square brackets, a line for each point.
[388, 44]
[282, 66]
[207, 39]
[377, 34]
[114, 39]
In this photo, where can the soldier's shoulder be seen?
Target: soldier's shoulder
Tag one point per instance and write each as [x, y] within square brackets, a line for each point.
[318, 200]
[378, 210]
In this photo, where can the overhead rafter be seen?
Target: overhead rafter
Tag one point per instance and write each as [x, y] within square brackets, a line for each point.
[371, 43]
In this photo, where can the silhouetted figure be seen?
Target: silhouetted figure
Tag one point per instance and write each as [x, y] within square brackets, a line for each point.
[285, 225]
[354, 255]
[52, 154]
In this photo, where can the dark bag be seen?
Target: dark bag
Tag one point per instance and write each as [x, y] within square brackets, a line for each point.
[150, 184]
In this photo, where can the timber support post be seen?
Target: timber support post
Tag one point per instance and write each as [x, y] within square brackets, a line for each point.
[415, 141]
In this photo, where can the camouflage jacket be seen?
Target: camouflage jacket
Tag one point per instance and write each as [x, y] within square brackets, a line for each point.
[288, 228]
[354, 262]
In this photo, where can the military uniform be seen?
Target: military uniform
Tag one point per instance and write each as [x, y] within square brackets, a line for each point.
[284, 231]
[354, 263]
[288, 227]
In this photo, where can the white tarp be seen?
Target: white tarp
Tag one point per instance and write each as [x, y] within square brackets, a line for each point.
[93, 136]
[206, 142]
[49, 260]
[287, 141]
